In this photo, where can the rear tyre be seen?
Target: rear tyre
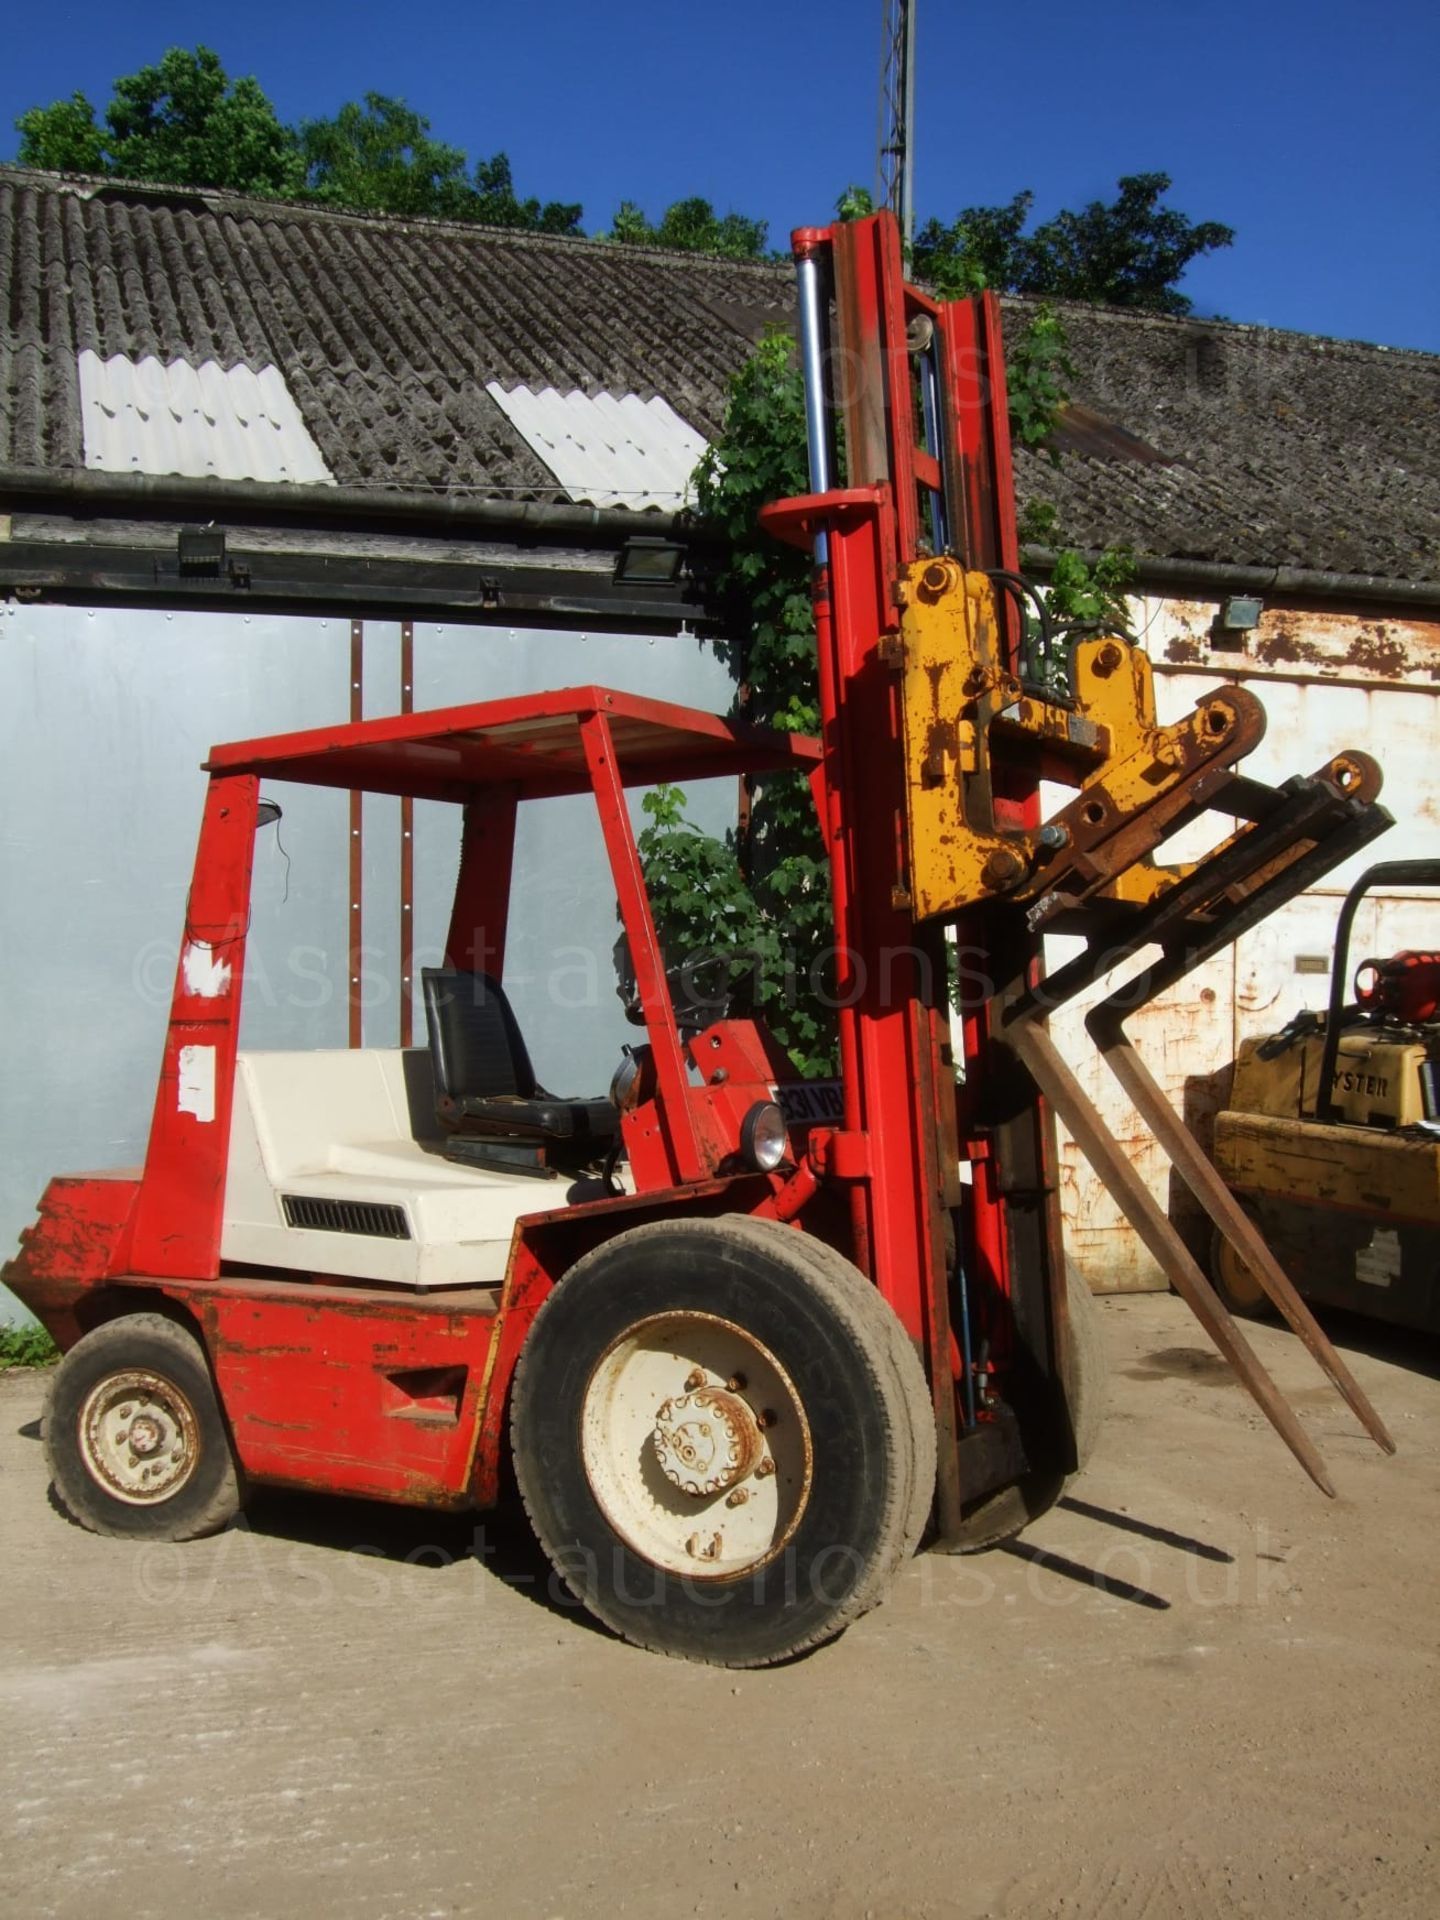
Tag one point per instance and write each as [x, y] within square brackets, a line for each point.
[134, 1436]
[1002, 1515]
[723, 1439]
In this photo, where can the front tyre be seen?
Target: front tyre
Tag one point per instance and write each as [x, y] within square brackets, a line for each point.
[134, 1436]
[723, 1439]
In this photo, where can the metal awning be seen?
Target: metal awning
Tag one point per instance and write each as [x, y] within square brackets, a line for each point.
[532, 744]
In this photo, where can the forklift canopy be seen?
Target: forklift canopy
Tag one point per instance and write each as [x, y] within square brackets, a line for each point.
[532, 744]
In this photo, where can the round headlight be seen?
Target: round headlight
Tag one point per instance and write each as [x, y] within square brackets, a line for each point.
[763, 1139]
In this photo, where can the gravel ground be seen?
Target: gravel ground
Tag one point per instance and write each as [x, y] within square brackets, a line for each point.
[1196, 1688]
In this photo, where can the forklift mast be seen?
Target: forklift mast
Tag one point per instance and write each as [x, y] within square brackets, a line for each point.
[937, 730]
[918, 390]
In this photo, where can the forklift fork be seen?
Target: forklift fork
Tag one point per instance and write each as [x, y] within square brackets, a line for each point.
[1297, 833]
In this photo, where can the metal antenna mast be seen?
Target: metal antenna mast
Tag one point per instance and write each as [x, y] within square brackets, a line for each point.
[897, 114]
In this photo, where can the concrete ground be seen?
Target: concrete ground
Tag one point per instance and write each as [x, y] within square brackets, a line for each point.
[1196, 1688]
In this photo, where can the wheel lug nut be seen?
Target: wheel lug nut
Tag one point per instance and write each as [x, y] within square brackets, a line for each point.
[695, 1378]
[765, 1419]
[765, 1469]
[736, 1383]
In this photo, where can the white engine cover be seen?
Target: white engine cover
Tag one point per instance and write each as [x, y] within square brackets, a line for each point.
[352, 1126]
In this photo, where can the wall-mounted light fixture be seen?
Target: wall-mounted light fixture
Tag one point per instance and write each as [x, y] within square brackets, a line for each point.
[1240, 614]
[647, 560]
[201, 550]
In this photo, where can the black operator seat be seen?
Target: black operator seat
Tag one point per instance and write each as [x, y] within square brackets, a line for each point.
[484, 1083]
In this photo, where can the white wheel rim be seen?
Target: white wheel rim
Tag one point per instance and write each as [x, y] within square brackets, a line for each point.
[139, 1437]
[696, 1446]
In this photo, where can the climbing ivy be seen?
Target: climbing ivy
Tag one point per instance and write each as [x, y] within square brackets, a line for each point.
[1080, 592]
[760, 456]
[1037, 366]
[854, 203]
[749, 918]
[708, 919]
[765, 589]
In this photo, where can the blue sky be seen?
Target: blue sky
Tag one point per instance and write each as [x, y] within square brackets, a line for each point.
[1311, 128]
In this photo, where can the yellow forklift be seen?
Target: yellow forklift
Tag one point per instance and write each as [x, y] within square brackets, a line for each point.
[1331, 1139]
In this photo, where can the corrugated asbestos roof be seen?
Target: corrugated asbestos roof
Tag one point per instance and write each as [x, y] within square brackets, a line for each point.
[1277, 449]
[138, 416]
[386, 331]
[1191, 440]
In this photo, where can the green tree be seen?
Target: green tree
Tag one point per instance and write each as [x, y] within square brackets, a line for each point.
[978, 249]
[1129, 252]
[691, 226]
[64, 137]
[183, 122]
[379, 155]
[496, 202]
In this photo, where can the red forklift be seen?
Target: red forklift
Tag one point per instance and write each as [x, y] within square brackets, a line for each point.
[743, 1346]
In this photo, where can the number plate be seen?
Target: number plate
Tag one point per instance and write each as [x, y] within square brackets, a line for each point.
[808, 1103]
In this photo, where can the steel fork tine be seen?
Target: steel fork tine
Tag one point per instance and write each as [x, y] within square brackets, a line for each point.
[1118, 1051]
[1051, 1074]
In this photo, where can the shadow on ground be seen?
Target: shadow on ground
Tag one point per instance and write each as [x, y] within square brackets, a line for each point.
[500, 1540]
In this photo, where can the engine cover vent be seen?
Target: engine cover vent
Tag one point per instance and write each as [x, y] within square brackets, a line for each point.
[346, 1216]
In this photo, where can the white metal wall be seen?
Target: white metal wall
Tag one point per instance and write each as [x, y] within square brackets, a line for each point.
[105, 717]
